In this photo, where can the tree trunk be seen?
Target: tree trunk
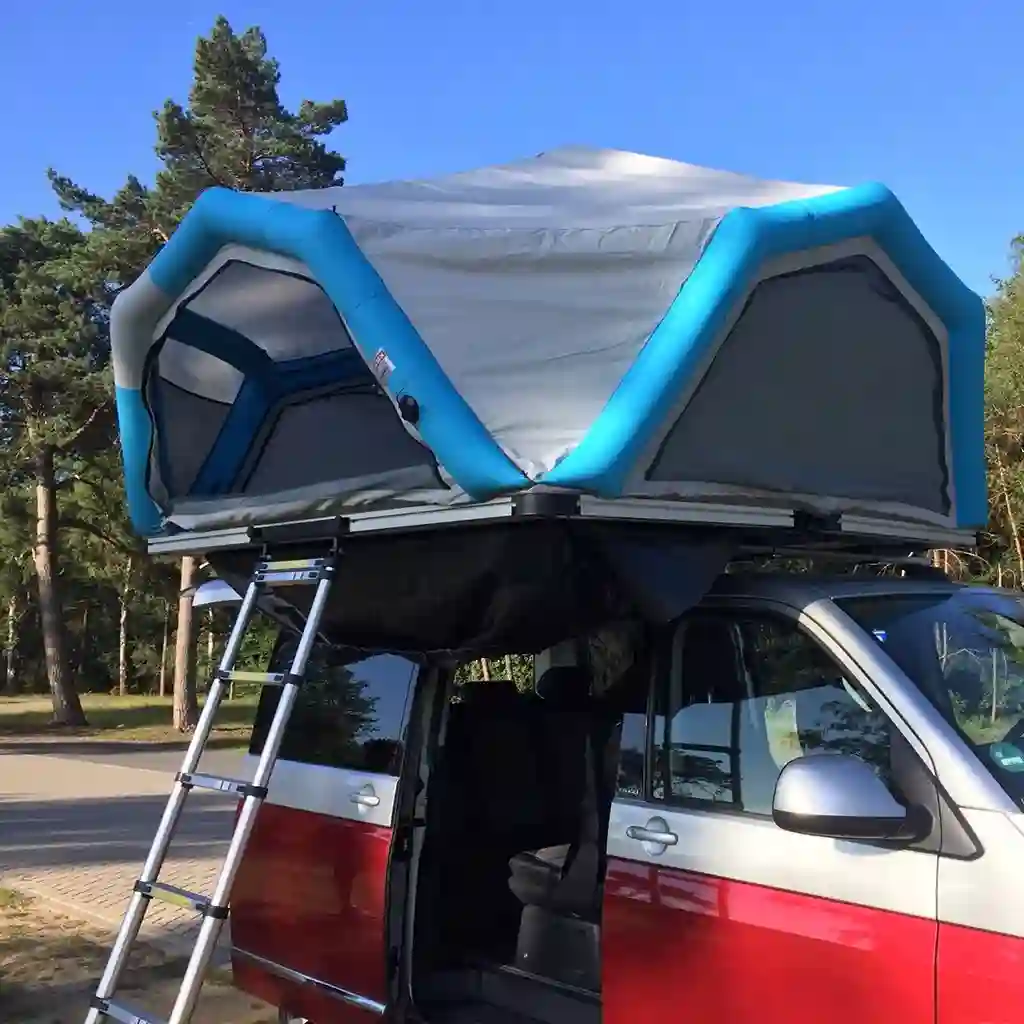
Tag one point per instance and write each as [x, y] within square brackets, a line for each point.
[83, 635]
[211, 652]
[12, 642]
[122, 631]
[67, 709]
[211, 644]
[186, 706]
[163, 650]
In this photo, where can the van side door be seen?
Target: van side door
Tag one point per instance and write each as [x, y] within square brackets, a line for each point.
[308, 906]
[732, 918]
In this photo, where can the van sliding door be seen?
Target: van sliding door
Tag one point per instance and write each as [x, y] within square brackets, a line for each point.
[308, 908]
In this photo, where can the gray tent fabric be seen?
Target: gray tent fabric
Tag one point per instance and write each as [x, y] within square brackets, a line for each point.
[287, 459]
[536, 283]
[811, 351]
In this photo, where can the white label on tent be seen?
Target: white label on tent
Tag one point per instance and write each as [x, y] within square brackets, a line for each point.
[382, 367]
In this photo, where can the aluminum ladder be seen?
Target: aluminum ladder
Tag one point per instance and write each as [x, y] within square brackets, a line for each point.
[268, 573]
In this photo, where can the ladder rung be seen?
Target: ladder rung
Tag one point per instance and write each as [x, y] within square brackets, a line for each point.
[121, 1013]
[292, 572]
[263, 678]
[293, 565]
[220, 784]
[180, 898]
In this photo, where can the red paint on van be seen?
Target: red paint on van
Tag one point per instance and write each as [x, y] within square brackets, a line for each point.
[680, 945]
[980, 976]
[310, 896]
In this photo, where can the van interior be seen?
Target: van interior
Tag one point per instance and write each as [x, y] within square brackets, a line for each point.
[505, 910]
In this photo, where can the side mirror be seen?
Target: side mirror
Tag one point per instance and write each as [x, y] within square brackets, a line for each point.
[215, 592]
[839, 796]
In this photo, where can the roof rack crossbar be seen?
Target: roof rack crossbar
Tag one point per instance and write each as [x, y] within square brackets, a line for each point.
[881, 557]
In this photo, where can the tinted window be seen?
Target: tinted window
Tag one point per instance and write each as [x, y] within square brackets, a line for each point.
[743, 697]
[350, 713]
[632, 755]
[965, 650]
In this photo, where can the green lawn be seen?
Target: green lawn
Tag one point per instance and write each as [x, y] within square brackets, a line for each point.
[137, 718]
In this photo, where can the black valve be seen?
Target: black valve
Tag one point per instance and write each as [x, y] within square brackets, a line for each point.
[409, 409]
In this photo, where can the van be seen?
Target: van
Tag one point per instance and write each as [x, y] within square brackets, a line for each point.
[646, 826]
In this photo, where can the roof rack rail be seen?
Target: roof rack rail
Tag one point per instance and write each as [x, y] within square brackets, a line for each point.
[910, 564]
[852, 557]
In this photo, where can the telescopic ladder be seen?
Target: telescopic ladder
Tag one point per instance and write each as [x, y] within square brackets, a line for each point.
[213, 909]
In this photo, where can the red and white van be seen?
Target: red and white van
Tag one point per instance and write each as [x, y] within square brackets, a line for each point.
[651, 831]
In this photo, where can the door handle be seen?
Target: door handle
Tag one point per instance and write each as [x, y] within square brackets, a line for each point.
[655, 831]
[365, 798]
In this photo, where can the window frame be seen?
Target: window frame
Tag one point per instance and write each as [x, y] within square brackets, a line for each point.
[657, 660]
[794, 618]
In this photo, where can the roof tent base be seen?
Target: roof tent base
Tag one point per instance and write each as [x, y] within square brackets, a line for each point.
[524, 573]
[758, 524]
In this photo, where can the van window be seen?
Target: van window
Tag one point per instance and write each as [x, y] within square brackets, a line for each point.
[964, 649]
[744, 695]
[350, 712]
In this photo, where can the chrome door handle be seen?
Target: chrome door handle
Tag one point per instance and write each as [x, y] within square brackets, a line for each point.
[646, 834]
[365, 798]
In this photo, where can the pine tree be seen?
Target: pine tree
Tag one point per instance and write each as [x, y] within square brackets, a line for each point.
[235, 133]
[56, 398]
[1003, 546]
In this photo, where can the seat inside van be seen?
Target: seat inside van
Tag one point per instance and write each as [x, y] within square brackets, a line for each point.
[512, 872]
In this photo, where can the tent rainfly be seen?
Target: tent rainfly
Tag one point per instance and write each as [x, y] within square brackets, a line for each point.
[597, 321]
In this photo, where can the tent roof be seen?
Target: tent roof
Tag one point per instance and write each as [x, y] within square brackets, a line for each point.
[568, 187]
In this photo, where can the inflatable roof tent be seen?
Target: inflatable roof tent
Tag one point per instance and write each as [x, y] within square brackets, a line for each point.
[602, 322]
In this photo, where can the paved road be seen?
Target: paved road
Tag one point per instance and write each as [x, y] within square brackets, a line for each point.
[77, 819]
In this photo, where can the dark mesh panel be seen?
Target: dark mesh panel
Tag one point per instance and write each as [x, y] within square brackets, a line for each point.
[285, 315]
[197, 371]
[829, 384]
[337, 437]
[187, 426]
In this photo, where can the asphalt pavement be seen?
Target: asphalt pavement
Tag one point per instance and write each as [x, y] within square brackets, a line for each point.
[77, 819]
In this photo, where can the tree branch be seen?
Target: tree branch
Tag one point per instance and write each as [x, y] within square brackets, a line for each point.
[68, 441]
[74, 523]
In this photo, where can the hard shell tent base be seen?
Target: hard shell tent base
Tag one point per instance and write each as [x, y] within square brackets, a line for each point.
[524, 572]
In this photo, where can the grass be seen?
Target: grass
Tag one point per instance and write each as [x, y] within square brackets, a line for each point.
[136, 718]
[49, 966]
[10, 899]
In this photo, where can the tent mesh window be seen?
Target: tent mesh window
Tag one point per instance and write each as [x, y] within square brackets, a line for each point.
[256, 388]
[790, 401]
[181, 450]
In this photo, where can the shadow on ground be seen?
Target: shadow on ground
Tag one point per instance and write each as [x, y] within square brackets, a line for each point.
[40, 834]
[50, 967]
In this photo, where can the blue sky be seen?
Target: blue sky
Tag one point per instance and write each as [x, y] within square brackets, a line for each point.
[923, 95]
